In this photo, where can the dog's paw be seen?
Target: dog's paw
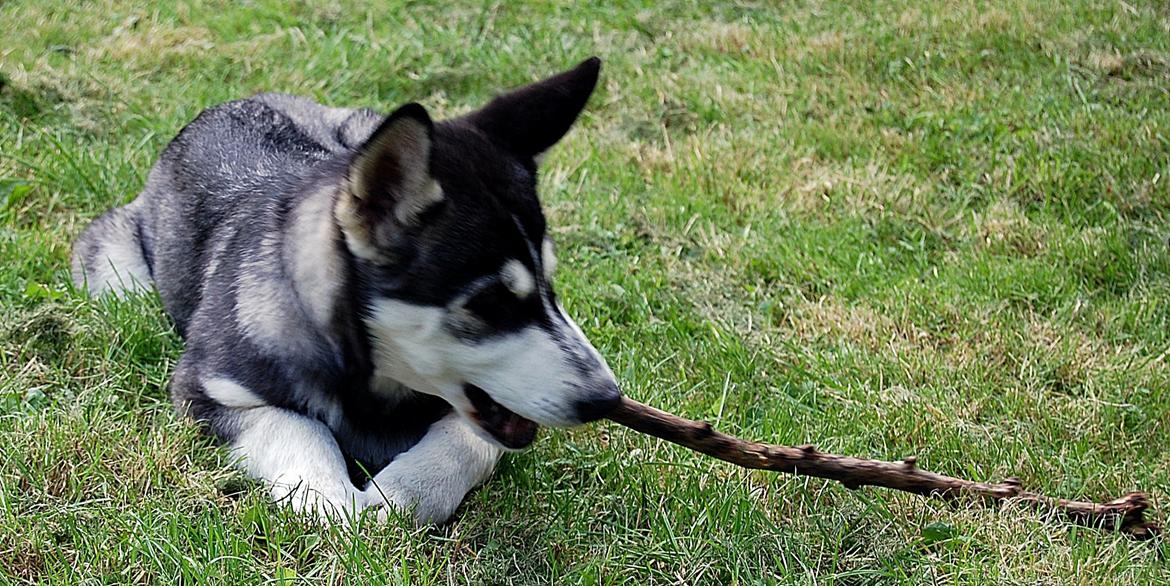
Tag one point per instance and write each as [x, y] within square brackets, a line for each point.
[327, 508]
[387, 501]
[385, 508]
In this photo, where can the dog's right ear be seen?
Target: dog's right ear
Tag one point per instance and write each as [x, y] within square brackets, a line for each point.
[529, 120]
[388, 183]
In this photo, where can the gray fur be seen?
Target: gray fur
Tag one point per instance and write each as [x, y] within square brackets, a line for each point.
[330, 341]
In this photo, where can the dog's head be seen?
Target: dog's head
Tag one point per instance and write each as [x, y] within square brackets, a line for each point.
[449, 240]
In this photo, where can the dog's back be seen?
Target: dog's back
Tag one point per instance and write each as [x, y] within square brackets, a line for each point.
[235, 166]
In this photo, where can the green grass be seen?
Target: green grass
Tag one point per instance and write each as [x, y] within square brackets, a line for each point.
[937, 230]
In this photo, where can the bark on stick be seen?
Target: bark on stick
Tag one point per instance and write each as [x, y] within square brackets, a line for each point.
[1125, 515]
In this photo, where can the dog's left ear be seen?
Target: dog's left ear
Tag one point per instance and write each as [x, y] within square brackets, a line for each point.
[529, 120]
[389, 183]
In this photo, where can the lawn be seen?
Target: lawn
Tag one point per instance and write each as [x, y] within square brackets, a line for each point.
[936, 228]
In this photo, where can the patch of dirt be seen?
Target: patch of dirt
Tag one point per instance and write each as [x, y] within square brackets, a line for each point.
[1004, 227]
[1130, 66]
[139, 41]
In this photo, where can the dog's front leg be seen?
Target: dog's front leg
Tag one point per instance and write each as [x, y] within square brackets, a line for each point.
[431, 478]
[299, 460]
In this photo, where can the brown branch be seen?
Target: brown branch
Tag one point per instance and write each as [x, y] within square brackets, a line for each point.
[1126, 514]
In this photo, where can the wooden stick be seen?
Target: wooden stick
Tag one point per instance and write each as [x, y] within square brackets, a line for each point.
[1125, 515]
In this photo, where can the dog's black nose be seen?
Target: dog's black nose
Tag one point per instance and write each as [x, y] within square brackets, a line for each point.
[598, 404]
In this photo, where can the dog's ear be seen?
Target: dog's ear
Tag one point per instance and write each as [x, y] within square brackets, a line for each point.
[389, 183]
[529, 120]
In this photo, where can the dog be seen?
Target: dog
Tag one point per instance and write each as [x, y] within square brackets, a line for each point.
[365, 300]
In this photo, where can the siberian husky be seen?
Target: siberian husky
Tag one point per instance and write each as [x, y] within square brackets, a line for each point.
[366, 300]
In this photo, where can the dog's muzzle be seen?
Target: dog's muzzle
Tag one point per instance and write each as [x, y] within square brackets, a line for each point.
[598, 404]
[511, 430]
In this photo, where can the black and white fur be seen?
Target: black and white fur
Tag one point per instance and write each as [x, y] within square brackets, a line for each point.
[366, 300]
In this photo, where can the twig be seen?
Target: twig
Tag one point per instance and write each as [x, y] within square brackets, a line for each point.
[1125, 515]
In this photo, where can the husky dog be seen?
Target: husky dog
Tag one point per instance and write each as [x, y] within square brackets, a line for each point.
[366, 301]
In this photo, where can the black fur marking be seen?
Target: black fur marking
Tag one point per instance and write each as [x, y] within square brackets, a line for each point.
[529, 120]
[146, 245]
[501, 311]
[472, 234]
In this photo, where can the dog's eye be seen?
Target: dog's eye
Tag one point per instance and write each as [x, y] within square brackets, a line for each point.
[494, 304]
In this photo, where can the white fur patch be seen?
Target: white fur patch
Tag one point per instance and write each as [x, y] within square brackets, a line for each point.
[432, 477]
[412, 207]
[408, 342]
[229, 393]
[316, 267]
[517, 278]
[299, 460]
[123, 270]
[118, 265]
[548, 258]
[528, 371]
[265, 306]
[357, 235]
[260, 307]
[217, 251]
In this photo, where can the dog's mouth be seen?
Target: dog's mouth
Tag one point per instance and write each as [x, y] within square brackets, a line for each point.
[511, 430]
